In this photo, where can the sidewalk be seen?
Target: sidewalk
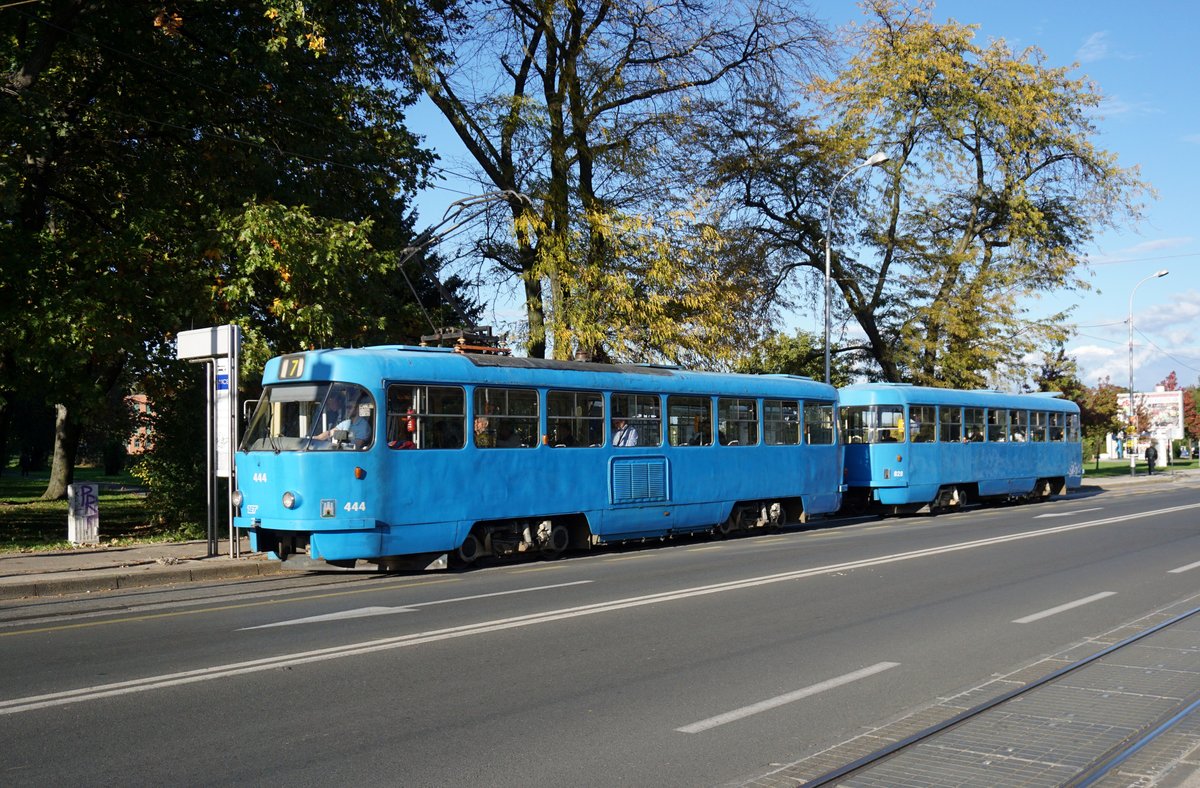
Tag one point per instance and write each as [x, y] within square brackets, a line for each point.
[90, 569]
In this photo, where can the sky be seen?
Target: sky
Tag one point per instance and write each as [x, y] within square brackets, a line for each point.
[1143, 59]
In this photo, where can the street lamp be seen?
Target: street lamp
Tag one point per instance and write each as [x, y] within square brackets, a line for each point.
[1132, 424]
[874, 161]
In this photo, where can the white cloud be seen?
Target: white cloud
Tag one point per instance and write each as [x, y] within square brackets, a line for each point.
[1182, 313]
[1095, 48]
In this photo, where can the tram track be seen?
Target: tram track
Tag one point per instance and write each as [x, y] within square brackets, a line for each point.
[1060, 737]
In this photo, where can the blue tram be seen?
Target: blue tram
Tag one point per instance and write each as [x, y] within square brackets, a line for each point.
[908, 446]
[409, 456]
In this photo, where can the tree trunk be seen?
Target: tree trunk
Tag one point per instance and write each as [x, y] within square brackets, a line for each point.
[4, 434]
[66, 447]
[536, 346]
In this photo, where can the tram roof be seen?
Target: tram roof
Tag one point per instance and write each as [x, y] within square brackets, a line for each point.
[904, 393]
[405, 363]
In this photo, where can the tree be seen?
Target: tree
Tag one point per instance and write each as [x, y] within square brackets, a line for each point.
[1191, 413]
[1099, 414]
[574, 108]
[1059, 372]
[140, 140]
[1170, 382]
[993, 188]
[800, 354]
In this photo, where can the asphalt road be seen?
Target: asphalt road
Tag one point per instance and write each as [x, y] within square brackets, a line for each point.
[698, 663]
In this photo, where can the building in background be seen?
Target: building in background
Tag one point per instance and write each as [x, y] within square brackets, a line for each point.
[142, 438]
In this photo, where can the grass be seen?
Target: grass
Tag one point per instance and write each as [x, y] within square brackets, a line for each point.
[1109, 468]
[28, 523]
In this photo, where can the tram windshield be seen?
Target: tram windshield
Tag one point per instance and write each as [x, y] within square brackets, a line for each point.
[873, 424]
[312, 417]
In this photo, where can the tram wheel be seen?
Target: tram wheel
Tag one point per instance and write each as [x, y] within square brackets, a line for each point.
[560, 538]
[469, 551]
[959, 499]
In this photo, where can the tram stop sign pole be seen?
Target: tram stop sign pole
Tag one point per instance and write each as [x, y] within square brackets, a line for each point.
[218, 350]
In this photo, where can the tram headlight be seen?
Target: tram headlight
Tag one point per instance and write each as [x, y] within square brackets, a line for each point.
[237, 498]
[289, 500]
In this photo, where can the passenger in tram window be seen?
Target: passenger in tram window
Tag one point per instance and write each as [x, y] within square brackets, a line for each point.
[563, 437]
[624, 434]
[402, 441]
[483, 437]
[508, 437]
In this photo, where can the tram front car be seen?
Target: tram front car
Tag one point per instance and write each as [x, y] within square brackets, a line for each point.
[310, 481]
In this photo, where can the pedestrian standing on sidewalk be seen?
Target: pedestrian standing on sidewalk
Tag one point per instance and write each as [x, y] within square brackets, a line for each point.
[1151, 458]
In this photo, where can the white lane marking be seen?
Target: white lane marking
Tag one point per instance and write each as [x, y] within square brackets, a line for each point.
[362, 612]
[1087, 600]
[780, 700]
[1069, 514]
[17, 705]
[1187, 568]
[380, 611]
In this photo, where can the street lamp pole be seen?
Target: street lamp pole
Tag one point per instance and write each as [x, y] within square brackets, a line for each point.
[1132, 423]
[874, 161]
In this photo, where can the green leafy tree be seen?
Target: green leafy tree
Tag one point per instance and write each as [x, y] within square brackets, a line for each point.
[574, 109]
[145, 146]
[800, 354]
[993, 188]
[1100, 414]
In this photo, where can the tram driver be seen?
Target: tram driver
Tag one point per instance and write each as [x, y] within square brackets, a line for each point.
[358, 426]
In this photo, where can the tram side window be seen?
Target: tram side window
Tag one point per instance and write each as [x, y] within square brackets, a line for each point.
[506, 418]
[1037, 426]
[1020, 425]
[997, 421]
[872, 424]
[574, 418]
[818, 423]
[781, 422]
[689, 421]
[425, 417]
[922, 427]
[1073, 427]
[973, 425]
[737, 421]
[1058, 432]
[637, 420]
[951, 424]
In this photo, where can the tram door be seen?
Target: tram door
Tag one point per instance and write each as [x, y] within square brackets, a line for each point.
[923, 450]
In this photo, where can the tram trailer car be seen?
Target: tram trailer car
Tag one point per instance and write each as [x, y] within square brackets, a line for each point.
[909, 446]
[406, 456]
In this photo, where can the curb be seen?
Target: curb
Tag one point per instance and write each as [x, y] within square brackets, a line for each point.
[116, 581]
